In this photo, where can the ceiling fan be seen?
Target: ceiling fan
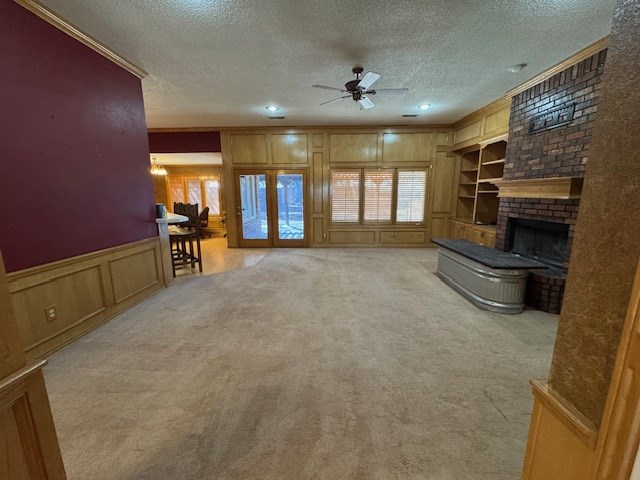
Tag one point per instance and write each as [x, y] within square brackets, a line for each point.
[358, 88]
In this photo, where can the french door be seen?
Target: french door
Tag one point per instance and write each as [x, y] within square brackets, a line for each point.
[271, 208]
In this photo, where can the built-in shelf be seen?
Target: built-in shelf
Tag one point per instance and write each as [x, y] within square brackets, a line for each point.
[555, 187]
[494, 162]
[481, 168]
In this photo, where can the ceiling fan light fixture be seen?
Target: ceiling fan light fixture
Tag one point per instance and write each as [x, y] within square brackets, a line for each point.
[272, 108]
[424, 106]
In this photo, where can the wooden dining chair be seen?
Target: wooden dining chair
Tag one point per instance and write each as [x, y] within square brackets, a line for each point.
[183, 237]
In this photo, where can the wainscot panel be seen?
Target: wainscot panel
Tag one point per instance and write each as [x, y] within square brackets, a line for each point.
[318, 234]
[561, 440]
[57, 302]
[352, 237]
[394, 237]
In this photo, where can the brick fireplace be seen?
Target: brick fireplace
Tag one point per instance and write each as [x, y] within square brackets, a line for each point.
[549, 137]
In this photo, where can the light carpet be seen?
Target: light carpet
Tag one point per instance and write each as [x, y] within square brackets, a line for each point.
[313, 364]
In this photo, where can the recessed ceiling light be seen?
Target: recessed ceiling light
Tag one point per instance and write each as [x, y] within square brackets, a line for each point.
[424, 106]
[516, 68]
[272, 108]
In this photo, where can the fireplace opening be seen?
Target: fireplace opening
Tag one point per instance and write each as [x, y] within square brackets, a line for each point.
[545, 242]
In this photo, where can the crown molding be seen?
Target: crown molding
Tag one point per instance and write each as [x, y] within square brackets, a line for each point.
[60, 23]
[550, 72]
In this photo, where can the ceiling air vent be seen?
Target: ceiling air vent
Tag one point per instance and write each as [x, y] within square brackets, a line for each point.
[409, 115]
[276, 118]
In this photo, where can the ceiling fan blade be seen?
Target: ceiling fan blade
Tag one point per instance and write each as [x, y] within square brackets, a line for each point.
[368, 80]
[392, 90]
[335, 99]
[327, 88]
[365, 103]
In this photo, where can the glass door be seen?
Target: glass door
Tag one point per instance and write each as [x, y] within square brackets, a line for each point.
[271, 208]
[253, 225]
[290, 191]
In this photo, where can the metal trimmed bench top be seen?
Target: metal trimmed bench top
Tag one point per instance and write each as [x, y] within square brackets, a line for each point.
[488, 256]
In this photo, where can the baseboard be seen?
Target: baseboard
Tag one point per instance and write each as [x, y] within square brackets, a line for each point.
[85, 292]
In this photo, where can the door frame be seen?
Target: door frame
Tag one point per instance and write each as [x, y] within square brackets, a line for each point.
[272, 239]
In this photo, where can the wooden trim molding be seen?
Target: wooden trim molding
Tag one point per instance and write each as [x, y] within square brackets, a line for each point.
[60, 23]
[620, 437]
[8, 382]
[550, 72]
[575, 421]
[555, 187]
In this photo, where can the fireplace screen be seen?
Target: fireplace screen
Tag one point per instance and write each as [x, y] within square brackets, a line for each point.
[542, 241]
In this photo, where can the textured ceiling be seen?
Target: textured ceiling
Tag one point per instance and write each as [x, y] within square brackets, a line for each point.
[216, 63]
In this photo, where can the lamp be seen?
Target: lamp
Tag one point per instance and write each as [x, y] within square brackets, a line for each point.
[157, 169]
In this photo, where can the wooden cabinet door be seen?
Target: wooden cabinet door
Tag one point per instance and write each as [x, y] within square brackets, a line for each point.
[459, 229]
[451, 228]
[490, 239]
[469, 233]
[28, 443]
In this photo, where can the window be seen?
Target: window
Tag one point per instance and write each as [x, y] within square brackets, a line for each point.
[205, 191]
[411, 195]
[345, 196]
[380, 191]
[378, 195]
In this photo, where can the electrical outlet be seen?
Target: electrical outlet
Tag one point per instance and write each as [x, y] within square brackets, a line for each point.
[51, 313]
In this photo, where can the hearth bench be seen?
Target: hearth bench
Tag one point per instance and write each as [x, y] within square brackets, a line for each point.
[491, 279]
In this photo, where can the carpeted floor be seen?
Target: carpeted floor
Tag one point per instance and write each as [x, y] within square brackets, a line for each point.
[328, 364]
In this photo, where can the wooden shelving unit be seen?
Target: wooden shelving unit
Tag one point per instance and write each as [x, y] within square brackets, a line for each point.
[481, 168]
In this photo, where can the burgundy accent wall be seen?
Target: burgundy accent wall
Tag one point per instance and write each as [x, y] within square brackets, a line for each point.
[184, 142]
[74, 154]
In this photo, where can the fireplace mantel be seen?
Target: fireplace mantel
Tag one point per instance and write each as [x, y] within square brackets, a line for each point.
[555, 187]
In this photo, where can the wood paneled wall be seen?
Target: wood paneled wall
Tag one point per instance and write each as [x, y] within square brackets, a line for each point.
[488, 122]
[319, 149]
[84, 291]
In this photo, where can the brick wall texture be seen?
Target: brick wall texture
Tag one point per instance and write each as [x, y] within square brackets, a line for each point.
[558, 152]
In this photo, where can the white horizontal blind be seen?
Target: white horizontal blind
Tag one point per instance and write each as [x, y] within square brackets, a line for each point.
[212, 195]
[378, 195]
[345, 196]
[412, 187]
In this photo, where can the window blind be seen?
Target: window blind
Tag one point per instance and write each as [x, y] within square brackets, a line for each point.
[378, 195]
[345, 196]
[212, 195]
[412, 186]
